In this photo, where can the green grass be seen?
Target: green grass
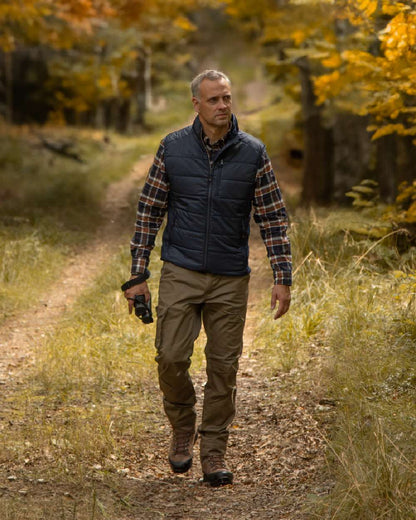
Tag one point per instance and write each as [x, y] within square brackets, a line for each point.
[354, 305]
[99, 344]
[79, 417]
[27, 263]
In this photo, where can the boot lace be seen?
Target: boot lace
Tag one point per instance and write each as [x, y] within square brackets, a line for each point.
[181, 441]
[215, 462]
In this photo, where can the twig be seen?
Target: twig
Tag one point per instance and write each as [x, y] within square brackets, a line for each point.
[62, 148]
[303, 261]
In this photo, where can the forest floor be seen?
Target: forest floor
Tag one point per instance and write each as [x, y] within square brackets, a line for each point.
[276, 448]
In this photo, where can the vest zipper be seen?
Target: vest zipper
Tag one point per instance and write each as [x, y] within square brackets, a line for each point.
[207, 226]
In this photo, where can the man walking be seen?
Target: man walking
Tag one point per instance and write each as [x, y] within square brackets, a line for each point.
[207, 177]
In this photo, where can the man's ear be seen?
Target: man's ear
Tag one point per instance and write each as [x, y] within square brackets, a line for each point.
[195, 102]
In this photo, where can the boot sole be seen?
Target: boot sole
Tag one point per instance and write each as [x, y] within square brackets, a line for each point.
[182, 468]
[219, 478]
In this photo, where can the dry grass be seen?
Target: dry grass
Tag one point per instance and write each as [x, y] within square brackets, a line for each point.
[50, 205]
[355, 305]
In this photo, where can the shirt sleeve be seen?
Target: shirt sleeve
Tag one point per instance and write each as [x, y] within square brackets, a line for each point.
[271, 216]
[151, 210]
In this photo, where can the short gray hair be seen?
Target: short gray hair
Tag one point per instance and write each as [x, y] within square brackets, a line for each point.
[212, 75]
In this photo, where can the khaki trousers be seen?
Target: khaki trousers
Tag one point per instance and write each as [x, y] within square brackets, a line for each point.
[185, 298]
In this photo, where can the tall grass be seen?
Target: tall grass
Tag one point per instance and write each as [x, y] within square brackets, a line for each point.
[88, 401]
[355, 305]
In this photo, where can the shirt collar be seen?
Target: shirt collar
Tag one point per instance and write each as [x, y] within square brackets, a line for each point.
[217, 145]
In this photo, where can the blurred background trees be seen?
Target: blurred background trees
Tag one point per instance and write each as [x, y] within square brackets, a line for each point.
[350, 65]
[347, 67]
[86, 61]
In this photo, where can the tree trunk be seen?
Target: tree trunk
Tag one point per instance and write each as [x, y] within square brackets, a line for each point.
[352, 153]
[8, 80]
[148, 78]
[387, 167]
[99, 115]
[143, 85]
[123, 119]
[317, 175]
[406, 158]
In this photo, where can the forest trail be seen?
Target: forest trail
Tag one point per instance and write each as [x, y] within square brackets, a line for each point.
[276, 450]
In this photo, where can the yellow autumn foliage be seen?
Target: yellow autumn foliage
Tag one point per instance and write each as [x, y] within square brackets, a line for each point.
[368, 7]
[333, 61]
[399, 37]
[328, 85]
[104, 39]
[386, 130]
[386, 69]
[184, 23]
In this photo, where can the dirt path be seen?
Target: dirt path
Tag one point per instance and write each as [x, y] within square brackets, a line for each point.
[275, 450]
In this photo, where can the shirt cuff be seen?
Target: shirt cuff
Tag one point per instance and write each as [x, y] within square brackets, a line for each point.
[139, 266]
[282, 277]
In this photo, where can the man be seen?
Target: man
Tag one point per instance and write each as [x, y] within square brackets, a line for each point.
[207, 177]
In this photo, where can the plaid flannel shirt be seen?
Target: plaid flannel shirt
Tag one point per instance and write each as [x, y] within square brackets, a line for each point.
[269, 213]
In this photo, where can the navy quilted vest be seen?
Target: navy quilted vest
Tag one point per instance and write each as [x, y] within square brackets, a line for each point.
[209, 205]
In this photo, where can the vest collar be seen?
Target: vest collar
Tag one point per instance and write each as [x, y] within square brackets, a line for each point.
[197, 127]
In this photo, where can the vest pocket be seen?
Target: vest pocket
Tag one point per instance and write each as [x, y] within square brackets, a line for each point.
[244, 231]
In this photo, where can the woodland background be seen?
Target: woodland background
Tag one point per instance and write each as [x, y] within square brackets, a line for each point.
[87, 89]
[347, 64]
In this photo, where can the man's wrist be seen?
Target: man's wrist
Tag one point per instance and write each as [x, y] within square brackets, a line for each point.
[136, 280]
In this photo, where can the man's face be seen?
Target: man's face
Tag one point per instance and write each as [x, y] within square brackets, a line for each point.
[214, 103]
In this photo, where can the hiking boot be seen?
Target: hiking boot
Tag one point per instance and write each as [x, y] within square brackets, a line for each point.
[215, 471]
[181, 450]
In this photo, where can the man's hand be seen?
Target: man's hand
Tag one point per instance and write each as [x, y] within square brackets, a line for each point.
[281, 293]
[141, 288]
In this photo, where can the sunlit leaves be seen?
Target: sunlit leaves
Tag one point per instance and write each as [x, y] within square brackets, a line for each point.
[383, 75]
[52, 22]
[403, 211]
[399, 37]
[61, 23]
[334, 60]
[358, 11]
